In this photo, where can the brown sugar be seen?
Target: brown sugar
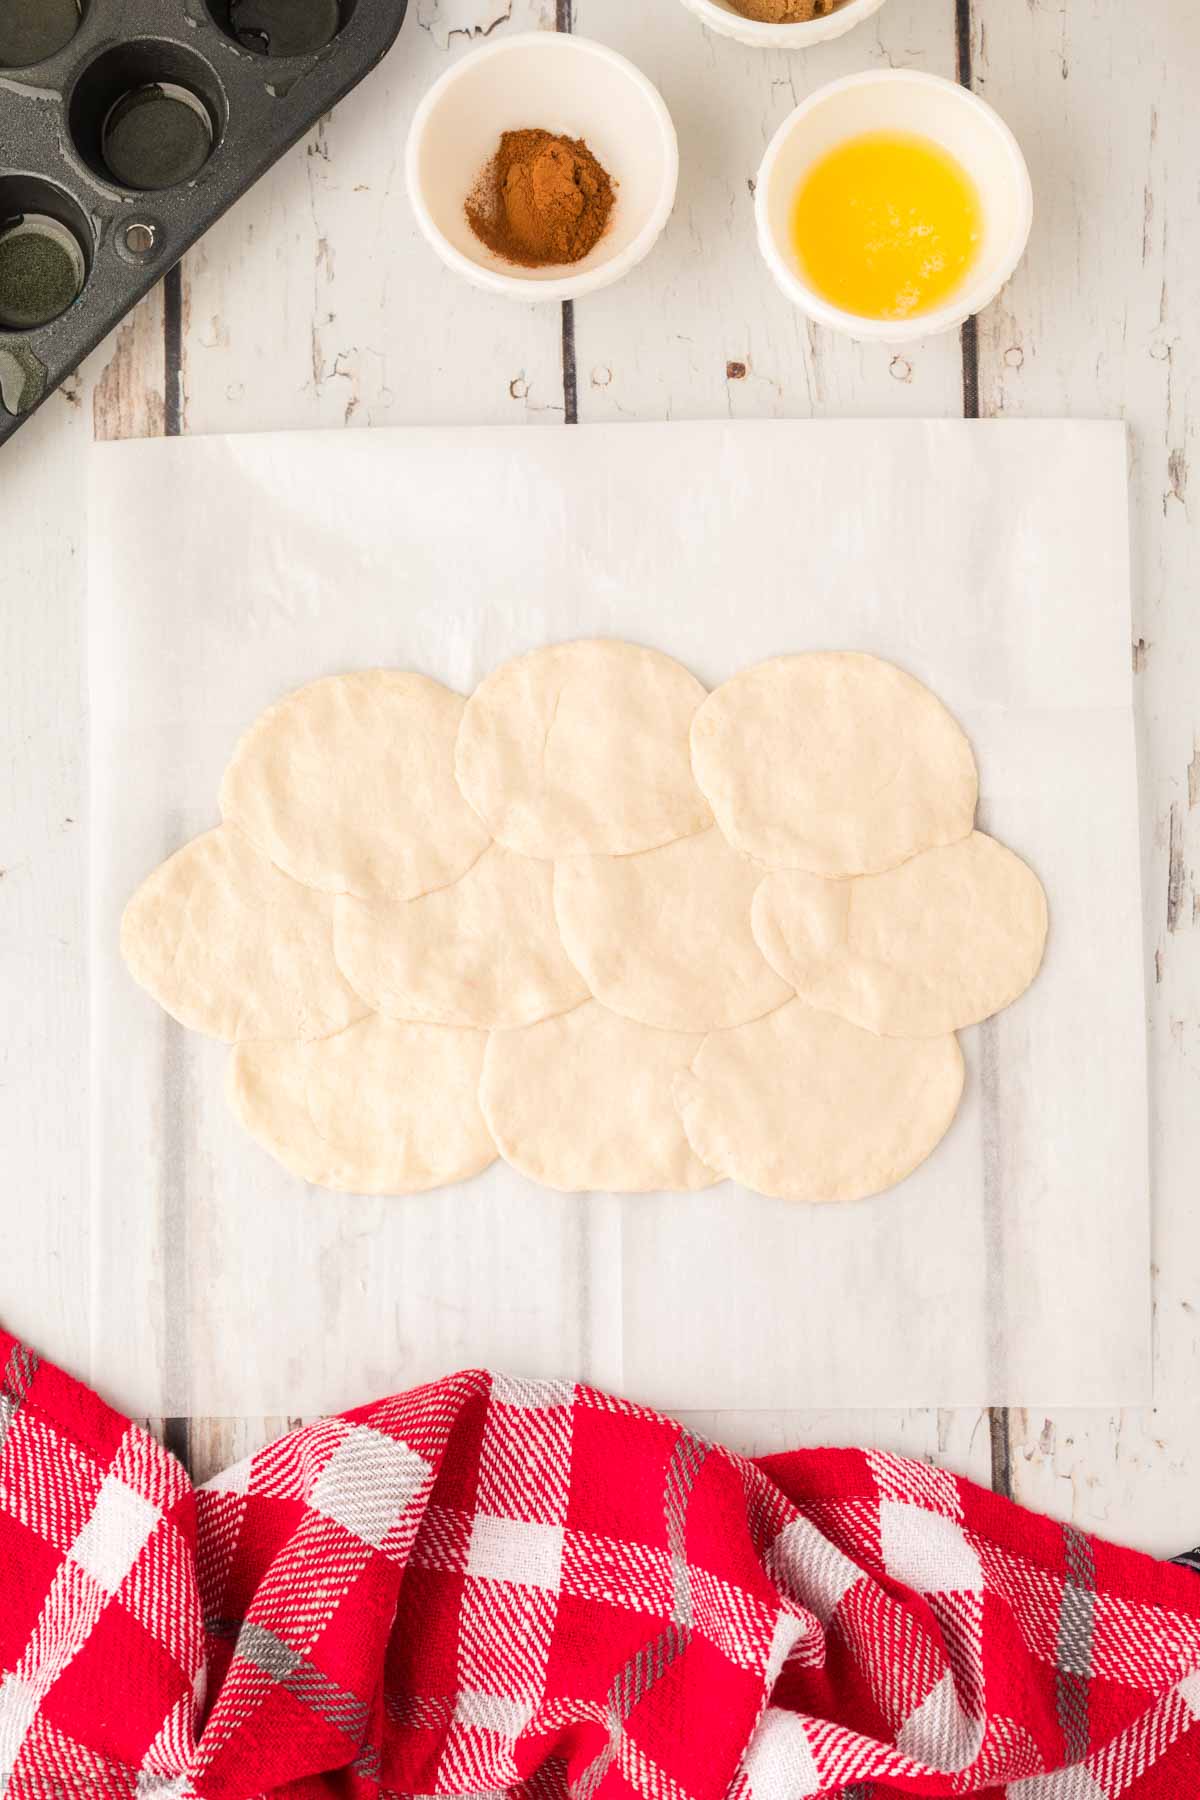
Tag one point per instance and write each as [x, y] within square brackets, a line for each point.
[785, 12]
[541, 200]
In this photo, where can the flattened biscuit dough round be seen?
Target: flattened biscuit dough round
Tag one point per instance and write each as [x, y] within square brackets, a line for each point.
[231, 946]
[802, 1105]
[348, 784]
[483, 952]
[664, 937]
[582, 749]
[943, 941]
[380, 1109]
[834, 762]
[583, 1102]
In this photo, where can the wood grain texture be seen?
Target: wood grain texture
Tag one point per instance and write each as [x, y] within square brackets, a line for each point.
[315, 303]
[700, 329]
[1101, 320]
[118, 392]
[43, 1019]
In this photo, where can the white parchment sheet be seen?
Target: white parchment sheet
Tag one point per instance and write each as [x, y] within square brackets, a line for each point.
[988, 559]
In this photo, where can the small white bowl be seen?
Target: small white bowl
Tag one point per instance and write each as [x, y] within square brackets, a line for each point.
[566, 85]
[898, 100]
[722, 17]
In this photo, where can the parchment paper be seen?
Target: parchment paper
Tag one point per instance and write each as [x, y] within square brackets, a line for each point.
[989, 559]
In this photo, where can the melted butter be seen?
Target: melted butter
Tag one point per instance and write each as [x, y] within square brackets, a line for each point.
[887, 225]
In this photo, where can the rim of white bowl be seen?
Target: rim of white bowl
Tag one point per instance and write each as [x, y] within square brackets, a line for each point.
[526, 287]
[764, 36]
[971, 298]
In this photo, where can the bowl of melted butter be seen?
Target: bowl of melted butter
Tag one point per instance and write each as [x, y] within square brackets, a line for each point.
[893, 205]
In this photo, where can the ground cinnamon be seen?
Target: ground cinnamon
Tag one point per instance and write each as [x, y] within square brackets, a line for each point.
[541, 200]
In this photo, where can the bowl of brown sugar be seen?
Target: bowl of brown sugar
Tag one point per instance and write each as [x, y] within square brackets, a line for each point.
[782, 24]
[542, 166]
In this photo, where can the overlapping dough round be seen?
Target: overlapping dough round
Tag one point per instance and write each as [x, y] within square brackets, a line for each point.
[348, 784]
[484, 951]
[803, 1105]
[231, 946]
[582, 749]
[664, 937]
[380, 1109]
[542, 863]
[941, 942]
[584, 1102]
[835, 762]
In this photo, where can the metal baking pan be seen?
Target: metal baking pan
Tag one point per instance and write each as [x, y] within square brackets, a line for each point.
[126, 128]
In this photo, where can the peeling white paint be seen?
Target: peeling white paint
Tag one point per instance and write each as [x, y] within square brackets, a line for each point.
[445, 19]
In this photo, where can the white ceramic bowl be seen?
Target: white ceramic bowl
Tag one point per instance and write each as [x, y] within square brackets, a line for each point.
[721, 16]
[565, 84]
[899, 100]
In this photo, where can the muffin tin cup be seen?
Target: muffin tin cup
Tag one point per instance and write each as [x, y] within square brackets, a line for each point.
[119, 149]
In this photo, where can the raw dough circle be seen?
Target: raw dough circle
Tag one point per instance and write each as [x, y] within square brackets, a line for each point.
[380, 1109]
[834, 762]
[802, 1105]
[230, 945]
[664, 937]
[943, 941]
[582, 749]
[484, 951]
[583, 1102]
[348, 784]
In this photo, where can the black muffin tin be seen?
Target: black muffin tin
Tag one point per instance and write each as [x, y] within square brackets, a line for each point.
[141, 122]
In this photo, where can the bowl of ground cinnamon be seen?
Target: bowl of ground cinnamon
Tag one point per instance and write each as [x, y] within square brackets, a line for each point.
[782, 24]
[542, 166]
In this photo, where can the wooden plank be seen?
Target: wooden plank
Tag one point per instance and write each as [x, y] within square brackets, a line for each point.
[701, 331]
[218, 1444]
[43, 1031]
[128, 390]
[43, 926]
[1096, 323]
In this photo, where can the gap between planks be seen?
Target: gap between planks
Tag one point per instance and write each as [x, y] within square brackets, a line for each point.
[176, 1432]
[564, 20]
[173, 351]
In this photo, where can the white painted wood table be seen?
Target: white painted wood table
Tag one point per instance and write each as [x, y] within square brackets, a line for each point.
[314, 303]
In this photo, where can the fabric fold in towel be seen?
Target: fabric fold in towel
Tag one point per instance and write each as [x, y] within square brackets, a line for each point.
[525, 1590]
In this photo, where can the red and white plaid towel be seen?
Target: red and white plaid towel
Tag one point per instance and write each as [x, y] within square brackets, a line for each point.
[497, 1588]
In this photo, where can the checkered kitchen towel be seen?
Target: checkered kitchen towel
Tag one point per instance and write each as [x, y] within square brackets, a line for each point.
[499, 1588]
